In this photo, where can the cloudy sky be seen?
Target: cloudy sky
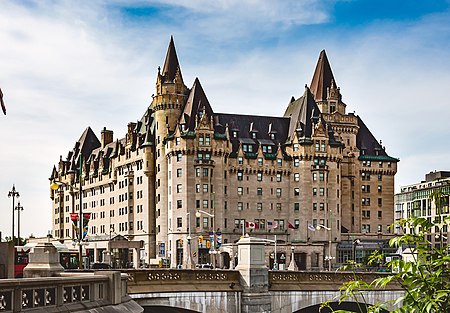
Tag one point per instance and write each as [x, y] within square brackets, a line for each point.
[66, 65]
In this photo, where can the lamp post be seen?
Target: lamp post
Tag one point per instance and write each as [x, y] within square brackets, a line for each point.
[54, 186]
[18, 209]
[189, 264]
[355, 243]
[329, 257]
[212, 248]
[13, 193]
[292, 264]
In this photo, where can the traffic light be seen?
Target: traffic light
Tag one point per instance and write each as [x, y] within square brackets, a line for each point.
[200, 240]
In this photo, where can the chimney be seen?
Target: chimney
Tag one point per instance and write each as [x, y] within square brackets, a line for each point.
[107, 137]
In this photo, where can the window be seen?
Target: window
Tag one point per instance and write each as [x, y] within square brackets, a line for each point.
[279, 206]
[240, 160]
[278, 177]
[207, 140]
[259, 176]
[322, 206]
[321, 176]
[296, 177]
[314, 206]
[179, 204]
[259, 191]
[296, 206]
[278, 192]
[240, 175]
[365, 228]
[197, 172]
[322, 191]
[179, 156]
[314, 191]
[279, 161]
[179, 172]
[380, 189]
[296, 192]
[201, 140]
[197, 188]
[380, 201]
[205, 172]
[260, 161]
[380, 177]
[205, 222]
[317, 146]
[296, 223]
[205, 204]
[179, 188]
[295, 147]
[240, 191]
[259, 206]
[240, 206]
[380, 214]
[314, 176]
[205, 188]
[296, 162]
[179, 222]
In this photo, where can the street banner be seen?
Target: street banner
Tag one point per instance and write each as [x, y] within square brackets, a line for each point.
[74, 218]
[219, 239]
[86, 218]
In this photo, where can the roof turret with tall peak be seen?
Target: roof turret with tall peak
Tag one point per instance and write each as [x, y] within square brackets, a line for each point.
[322, 78]
[171, 66]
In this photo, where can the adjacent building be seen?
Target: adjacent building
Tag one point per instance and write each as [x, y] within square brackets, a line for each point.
[186, 181]
[416, 200]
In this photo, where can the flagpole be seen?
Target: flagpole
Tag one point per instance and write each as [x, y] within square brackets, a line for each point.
[243, 229]
[80, 232]
[275, 263]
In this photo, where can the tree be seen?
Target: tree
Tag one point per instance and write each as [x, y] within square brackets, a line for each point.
[425, 277]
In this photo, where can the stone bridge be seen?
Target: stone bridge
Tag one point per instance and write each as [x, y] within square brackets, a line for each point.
[251, 287]
[222, 291]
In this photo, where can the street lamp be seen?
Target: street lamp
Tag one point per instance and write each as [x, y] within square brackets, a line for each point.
[189, 258]
[18, 209]
[355, 243]
[328, 257]
[212, 248]
[55, 185]
[292, 264]
[13, 193]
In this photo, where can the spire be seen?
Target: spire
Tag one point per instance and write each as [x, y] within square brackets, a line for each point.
[323, 76]
[196, 102]
[171, 65]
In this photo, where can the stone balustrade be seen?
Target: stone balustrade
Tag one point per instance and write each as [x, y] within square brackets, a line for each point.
[70, 293]
[167, 280]
[297, 281]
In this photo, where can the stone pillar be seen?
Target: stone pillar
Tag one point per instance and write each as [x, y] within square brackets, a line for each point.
[43, 262]
[254, 276]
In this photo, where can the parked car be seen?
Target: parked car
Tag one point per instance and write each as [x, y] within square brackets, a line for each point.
[100, 266]
[204, 266]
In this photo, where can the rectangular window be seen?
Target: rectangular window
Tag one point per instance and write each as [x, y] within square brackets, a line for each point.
[322, 206]
[240, 160]
[322, 191]
[240, 206]
[205, 204]
[296, 177]
[260, 161]
[278, 192]
[314, 191]
[207, 140]
[295, 146]
[259, 206]
[279, 206]
[205, 222]
[240, 191]
[296, 192]
[201, 140]
[297, 223]
[279, 161]
[314, 176]
[259, 176]
[296, 206]
[205, 188]
[314, 206]
[296, 162]
[380, 201]
[179, 156]
[179, 204]
[197, 188]
[205, 172]
[179, 188]
[179, 172]
[179, 222]
[278, 177]
[259, 191]
[240, 175]
[321, 176]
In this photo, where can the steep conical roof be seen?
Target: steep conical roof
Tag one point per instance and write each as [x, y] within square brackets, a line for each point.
[88, 142]
[197, 101]
[171, 65]
[323, 75]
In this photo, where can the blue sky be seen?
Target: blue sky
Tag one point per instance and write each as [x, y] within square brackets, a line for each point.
[66, 65]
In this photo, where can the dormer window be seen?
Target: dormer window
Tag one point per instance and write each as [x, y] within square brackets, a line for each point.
[235, 134]
[272, 136]
[253, 135]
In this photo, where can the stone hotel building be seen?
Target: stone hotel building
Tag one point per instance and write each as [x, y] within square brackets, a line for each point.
[314, 178]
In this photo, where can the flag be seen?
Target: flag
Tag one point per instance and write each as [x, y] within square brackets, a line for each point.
[311, 227]
[291, 226]
[74, 218]
[2, 103]
[250, 225]
[269, 225]
[86, 218]
[275, 225]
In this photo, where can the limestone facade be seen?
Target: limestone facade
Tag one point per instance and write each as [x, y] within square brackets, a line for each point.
[185, 174]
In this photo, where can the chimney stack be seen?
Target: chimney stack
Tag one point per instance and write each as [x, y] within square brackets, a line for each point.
[107, 137]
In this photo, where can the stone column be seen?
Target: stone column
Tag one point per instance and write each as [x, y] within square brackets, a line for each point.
[254, 276]
[43, 262]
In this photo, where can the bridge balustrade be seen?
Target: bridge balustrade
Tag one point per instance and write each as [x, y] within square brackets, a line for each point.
[168, 280]
[67, 293]
[332, 281]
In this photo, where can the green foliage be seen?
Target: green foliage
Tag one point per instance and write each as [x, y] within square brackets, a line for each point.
[425, 277]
